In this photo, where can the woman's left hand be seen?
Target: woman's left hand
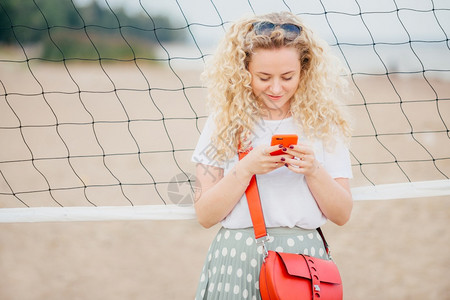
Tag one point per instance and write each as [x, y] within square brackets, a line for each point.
[303, 162]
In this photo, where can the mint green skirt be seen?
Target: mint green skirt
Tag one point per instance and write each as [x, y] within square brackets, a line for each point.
[233, 261]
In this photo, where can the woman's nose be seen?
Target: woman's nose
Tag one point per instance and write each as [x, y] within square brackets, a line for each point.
[275, 87]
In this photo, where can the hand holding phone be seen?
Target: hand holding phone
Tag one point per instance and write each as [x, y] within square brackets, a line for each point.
[283, 139]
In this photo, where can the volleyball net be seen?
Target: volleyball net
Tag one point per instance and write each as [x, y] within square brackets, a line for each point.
[101, 104]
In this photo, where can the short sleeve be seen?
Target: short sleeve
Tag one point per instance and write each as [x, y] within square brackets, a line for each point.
[337, 162]
[205, 150]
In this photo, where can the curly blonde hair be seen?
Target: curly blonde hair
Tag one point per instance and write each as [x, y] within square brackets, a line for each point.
[315, 106]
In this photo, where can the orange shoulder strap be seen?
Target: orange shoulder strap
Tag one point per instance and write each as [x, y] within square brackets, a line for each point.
[256, 212]
[254, 205]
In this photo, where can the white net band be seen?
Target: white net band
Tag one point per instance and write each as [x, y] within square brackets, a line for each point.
[175, 212]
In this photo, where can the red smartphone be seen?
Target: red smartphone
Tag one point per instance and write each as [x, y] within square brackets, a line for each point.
[283, 139]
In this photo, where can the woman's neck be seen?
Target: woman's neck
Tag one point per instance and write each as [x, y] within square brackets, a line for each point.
[276, 114]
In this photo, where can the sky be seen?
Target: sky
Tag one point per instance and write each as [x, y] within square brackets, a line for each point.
[381, 16]
[387, 25]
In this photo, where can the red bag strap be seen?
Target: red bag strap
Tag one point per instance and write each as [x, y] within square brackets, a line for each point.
[256, 212]
[254, 205]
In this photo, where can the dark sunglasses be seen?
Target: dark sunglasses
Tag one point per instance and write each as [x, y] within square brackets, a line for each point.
[266, 28]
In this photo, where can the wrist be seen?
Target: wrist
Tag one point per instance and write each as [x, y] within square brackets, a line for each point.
[242, 174]
[317, 166]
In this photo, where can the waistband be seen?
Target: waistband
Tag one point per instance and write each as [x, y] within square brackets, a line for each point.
[275, 231]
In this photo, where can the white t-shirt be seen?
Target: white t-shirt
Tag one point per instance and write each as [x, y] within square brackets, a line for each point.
[285, 196]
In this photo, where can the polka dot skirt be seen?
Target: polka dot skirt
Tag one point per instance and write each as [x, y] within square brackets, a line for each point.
[233, 261]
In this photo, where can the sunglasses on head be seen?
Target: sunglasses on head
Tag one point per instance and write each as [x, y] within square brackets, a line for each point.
[291, 31]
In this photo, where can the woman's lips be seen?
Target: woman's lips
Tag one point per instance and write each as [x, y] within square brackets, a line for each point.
[274, 98]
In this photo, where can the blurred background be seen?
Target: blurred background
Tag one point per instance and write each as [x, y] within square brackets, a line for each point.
[101, 106]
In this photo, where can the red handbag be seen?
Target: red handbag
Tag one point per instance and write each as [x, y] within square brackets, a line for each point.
[287, 276]
[297, 276]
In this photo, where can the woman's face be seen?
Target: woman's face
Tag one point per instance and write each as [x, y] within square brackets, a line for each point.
[275, 78]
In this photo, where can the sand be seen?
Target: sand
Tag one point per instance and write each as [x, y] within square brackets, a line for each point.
[389, 250]
[393, 249]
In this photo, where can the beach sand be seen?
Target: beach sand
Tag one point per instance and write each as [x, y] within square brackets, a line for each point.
[391, 249]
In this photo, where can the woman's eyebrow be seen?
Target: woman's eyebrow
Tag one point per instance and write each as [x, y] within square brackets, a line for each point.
[269, 74]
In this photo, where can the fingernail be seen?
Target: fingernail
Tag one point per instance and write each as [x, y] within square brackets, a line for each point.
[292, 147]
[284, 149]
[280, 146]
[286, 165]
[283, 159]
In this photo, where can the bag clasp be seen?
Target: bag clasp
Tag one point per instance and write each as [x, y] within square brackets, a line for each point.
[262, 241]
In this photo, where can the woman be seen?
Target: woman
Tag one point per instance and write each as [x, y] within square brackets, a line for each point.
[270, 75]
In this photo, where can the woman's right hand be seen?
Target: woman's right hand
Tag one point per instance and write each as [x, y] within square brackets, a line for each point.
[259, 161]
[217, 194]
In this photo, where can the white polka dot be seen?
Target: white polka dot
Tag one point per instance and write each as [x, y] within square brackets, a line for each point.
[214, 270]
[300, 237]
[313, 251]
[227, 287]
[224, 252]
[270, 239]
[219, 236]
[202, 293]
[236, 289]
[239, 273]
[321, 252]
[290, 242]
[216, 254]
[257, 285]
[249, 241]
[229, 270]
[238, 236]
[211, 287]
[219, 287]
[249, 277]
[243, 256]
[227, 234]
[233, 252]
[222, 270]
[245, 294]
[259, 249]
[209, 274]
[202, 279]
[310, 236]
[209, 257]
[253, 263]
[305, 252]
[279, 249]
[254, 297]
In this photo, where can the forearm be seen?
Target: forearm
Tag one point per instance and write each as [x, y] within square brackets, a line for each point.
[332, 195]
[217, 195]
[214, 203]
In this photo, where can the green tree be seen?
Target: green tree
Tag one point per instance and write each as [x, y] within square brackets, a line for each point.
[66, 31]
